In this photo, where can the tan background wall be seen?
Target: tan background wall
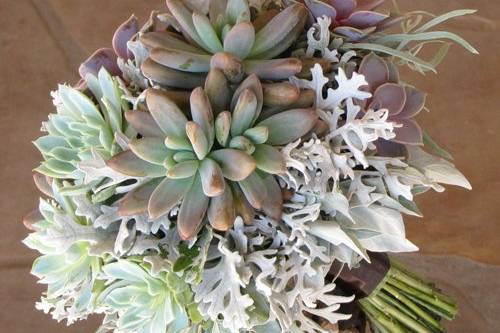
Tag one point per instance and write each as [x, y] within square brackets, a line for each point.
[43, 41]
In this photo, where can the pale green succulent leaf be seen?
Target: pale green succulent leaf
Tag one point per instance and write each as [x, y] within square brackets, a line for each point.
[125, 270]
[46, 143]
[444, 17]
[290, 125]
[114, 116]
[269, 159]
[106, 138]
[150, 149]
[178, 143]
[276, 30]
[166, 113]
[238, 11]
[252, 83]
[406, 56]
[59, 166]
[182, 156]
[205, 29]
[129, 164]
[110, 90]
[212, 180]
[257, 135]
[198, 139]
[223, 127]
[168, 193]
[165, 76]
[193, 208]
[181, 60]
[239, 40]
[244, 112]
[236, 165]
[82, 105]
[429, 142]
[65, 154]
[201, 113]
[144, 123]
[242, 143]
[44, 170]
[185, 20]
[254, 189]
[183, 170]
[426, 36]
[63, 125]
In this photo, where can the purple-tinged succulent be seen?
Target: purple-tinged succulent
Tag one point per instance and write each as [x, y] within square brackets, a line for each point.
[107, 57]
[403, 102]
[353, 19]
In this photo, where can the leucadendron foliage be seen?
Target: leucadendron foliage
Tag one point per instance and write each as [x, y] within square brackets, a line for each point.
[216, 163]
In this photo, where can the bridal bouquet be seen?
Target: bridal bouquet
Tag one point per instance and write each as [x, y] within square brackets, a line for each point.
[243, 166]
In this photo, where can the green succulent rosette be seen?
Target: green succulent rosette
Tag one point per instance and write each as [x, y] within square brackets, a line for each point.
[221, 164]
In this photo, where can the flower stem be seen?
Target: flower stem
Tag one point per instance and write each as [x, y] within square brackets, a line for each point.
[404, 303]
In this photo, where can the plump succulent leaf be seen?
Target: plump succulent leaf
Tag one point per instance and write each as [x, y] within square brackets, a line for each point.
[239, 40]
[181, 60]
[193, 208]
[235, 164]
[221, 211]
[166, 113]
[254, 189]
[198, 139]
[212, 179]
[273, 205]
[244, 112]
[273, 34]
[129, 164]
[184, 169]
[289, 125]
[204, 28]
[269, 159]
[150, 149]
[257, 135]
[218, 91]
[223, 128]
[202, 114]
[143, 123]
[136, 201]
[167, 195]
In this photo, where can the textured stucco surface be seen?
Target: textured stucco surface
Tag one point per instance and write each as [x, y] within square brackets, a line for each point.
[43, 41]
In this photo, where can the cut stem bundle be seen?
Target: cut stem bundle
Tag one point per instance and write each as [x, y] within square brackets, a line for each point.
[402, 302]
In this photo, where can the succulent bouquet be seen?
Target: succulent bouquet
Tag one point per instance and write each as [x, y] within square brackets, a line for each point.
[243, 166]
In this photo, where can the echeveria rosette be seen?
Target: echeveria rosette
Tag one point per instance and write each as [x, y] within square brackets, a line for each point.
[82, 125]
[403, 102]
[226, 39]
[352, 19]
[66, 265]
[144, 302]
[223, 166]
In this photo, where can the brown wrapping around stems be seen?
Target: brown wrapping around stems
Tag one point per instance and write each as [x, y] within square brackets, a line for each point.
[361, 281]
